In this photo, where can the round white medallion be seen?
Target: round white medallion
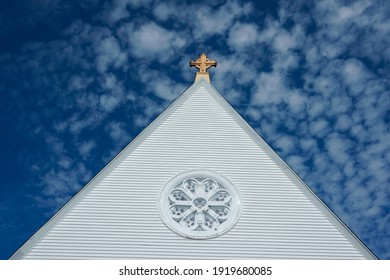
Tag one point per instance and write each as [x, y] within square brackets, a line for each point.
[199, 204]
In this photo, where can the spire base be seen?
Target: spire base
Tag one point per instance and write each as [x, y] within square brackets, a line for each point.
[204, 75]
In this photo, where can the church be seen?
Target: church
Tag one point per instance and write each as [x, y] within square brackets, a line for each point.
[197, 183]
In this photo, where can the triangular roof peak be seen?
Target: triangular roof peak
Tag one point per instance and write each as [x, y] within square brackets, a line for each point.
[278, 215]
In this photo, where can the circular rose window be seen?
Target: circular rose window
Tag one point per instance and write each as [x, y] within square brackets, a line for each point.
[199, 204]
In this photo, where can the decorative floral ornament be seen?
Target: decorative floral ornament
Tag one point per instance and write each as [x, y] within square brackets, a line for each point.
[200, 206]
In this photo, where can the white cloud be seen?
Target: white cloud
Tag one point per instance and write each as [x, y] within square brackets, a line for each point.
[86, 147]
[343, 123]
[139, 3]
[242, 35]
[271, 88]
[343, 24]
[117, 132]
[317, 107]
[233, 96]
[85, 100]
[163, 11]
[341, 104]
[161, 85]
[119, 9]
[55, 185]
[77, 123]
[326, 86]
[286, 143]
[58, 184]
[232, 70]
[338, 147]
[65, 162]
[77, 82]
[149, 110]
[109, 54]
[308, 145]
[115, 93]
[154, 42]
[296, 101]
[56, 144]
[299, 164]
[208, 21]
[284, 41]
[253, 113]
[357, 199]
[319, 128]
[355, 76]
[109, 102]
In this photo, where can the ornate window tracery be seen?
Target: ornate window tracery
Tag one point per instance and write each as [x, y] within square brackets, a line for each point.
[199, 204]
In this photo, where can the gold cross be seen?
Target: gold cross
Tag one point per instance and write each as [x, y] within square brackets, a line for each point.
[203, 63]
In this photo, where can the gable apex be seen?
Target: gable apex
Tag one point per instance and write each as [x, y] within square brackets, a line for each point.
[199, 130]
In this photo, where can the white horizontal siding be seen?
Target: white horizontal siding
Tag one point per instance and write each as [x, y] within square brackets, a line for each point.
[119, 217]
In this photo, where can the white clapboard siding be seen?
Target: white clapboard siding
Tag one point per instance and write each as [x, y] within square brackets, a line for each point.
[116, 215]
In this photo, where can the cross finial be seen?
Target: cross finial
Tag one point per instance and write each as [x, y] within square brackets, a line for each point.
[203, 63]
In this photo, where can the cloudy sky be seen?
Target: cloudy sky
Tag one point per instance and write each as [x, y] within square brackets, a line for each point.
[80, 79]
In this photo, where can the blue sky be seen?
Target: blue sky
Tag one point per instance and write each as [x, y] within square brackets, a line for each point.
[80, 79]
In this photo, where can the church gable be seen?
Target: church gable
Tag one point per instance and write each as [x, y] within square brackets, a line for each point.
[198, 183]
